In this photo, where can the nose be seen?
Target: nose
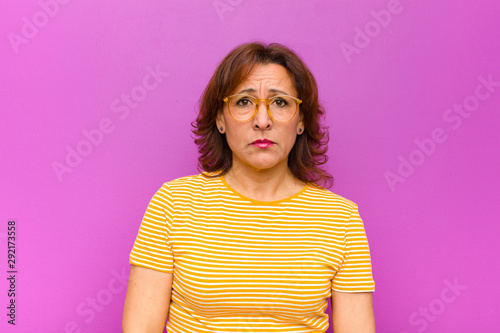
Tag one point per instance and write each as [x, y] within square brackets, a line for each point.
[262, 120]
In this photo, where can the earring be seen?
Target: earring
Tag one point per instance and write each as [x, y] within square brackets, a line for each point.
[221, 129]
[300, 130]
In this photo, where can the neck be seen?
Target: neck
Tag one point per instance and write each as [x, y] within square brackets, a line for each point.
[263, 185]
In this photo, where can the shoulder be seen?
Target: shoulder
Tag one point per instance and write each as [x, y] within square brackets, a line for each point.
[192, 183]
[198, 179]
[187, 187]
[324, 197]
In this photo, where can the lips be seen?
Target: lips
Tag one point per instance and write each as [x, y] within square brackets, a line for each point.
[264, 143]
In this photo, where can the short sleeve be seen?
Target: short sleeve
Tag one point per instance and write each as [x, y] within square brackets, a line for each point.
[355, 273]
[152, 247]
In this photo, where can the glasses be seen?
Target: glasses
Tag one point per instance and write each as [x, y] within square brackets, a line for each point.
[281, 108]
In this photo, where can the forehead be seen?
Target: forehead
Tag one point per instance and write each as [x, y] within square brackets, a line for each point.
[268, 77]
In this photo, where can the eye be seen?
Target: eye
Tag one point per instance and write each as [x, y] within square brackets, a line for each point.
[280, 102]
[244, 101]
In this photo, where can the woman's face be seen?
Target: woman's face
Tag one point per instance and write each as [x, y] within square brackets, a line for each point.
[265, 81]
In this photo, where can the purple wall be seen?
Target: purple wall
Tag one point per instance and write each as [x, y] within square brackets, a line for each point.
[412, 92]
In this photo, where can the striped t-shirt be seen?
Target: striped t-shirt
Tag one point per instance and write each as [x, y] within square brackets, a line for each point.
[242, 265]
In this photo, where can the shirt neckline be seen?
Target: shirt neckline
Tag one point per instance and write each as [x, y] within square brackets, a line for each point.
[265, 203]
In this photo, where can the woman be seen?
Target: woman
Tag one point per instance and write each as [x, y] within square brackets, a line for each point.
[253, 243]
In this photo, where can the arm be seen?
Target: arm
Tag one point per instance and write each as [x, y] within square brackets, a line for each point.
[352, 312]
[147, 300]
[353, 284]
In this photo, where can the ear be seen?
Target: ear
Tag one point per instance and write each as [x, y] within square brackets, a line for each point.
[221, 124]
[300, 124]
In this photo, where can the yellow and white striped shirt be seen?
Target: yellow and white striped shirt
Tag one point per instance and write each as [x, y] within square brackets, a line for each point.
[242, 265]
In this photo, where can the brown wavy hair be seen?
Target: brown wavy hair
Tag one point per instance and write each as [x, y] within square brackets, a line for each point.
[308, 153]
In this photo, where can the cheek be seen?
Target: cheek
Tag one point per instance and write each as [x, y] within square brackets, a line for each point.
[231, 140]
[235, 136]
[291, 134]
[291, 141]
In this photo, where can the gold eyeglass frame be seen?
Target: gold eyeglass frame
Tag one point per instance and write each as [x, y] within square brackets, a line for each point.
[268, 101]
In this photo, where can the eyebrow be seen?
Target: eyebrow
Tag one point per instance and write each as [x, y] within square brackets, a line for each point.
[251, 90]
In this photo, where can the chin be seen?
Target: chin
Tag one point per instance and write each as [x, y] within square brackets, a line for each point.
[264, 166]
[261, 163]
